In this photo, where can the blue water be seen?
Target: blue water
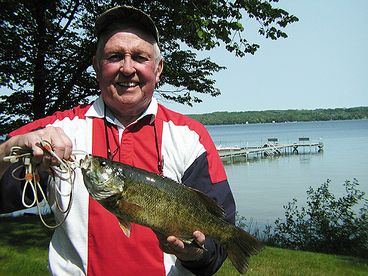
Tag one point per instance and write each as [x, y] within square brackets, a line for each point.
[263, 186]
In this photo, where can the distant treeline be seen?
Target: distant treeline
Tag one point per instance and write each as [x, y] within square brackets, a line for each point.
[291, 115]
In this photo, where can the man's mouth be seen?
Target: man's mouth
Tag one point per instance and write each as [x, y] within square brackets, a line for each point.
[127, 84]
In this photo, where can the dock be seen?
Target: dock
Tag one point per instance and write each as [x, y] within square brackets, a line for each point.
[271, 148]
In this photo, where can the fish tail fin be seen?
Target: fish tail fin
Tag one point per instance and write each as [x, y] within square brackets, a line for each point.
[240, 247]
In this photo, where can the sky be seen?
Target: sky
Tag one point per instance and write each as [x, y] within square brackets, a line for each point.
[322, 64]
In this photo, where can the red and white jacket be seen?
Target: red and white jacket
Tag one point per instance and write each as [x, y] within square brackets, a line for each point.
[90, 240]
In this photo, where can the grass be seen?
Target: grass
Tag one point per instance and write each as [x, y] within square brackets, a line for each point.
[277, 261]
[23, 246]
[24, 243]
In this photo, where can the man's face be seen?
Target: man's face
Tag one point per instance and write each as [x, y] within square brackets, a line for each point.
[127, 70]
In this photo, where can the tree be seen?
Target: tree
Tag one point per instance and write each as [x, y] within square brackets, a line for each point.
[327, 224]
[47, 48]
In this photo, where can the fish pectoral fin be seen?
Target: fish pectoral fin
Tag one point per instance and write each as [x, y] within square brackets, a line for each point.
[125, 226]
[125, 206]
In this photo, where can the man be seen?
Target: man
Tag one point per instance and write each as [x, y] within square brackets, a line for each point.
[125, 124]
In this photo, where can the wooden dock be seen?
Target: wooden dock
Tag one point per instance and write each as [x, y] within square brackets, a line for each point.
[271, 148]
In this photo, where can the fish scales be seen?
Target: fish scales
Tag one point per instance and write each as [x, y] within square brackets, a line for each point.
[162, 204]
[167, 207]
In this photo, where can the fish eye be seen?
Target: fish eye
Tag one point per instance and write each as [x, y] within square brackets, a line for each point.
[103, 163]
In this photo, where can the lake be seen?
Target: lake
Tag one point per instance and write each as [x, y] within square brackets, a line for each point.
[262, 187]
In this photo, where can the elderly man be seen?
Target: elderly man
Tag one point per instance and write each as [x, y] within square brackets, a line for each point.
[125, 124]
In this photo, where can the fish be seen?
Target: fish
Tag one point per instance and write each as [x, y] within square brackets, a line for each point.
[168, 207]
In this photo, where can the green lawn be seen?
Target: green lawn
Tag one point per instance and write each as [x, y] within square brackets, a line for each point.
[276, 261]
[23, 246]
[24, 243]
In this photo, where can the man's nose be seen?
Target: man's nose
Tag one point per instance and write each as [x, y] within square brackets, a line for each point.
[127, 66]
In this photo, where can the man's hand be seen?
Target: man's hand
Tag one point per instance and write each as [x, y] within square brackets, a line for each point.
[183, 251]
[60, 143]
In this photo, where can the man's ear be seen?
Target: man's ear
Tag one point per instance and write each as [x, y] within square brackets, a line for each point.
[160, 67]
[96, 66]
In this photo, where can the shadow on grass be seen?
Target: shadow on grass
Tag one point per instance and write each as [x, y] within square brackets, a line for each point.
[24, 232]
[354, 260]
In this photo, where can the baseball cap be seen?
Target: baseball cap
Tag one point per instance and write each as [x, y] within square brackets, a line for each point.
[126, 14]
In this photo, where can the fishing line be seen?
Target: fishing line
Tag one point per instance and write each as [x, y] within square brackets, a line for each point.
[65, 171]
[160, 159]
[110, 155]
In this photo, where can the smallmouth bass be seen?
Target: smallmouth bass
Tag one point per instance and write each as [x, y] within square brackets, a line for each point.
[167, 207]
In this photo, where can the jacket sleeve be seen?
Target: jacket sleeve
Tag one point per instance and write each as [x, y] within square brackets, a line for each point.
[10, 191]
[198, 177]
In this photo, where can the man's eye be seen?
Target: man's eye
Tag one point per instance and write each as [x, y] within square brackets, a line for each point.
[114, 57]
[140, 58]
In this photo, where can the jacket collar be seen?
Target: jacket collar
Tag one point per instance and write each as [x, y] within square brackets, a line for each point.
[97, 111]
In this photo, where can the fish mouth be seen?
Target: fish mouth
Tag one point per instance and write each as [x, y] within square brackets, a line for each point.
[85, 163]
[96, 180]
[86, 166]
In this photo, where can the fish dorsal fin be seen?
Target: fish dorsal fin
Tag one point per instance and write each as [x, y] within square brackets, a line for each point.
[212, 206]
[125, 226]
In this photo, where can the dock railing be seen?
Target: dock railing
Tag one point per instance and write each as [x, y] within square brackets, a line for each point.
[271, 148]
